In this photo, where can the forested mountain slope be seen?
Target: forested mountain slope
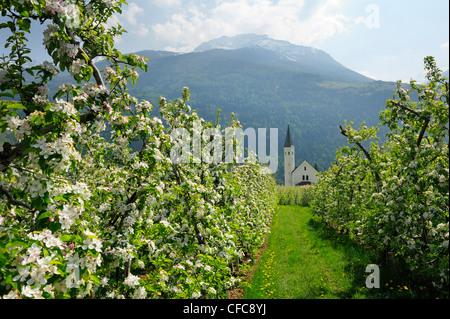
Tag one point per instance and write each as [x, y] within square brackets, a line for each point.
[268, 84]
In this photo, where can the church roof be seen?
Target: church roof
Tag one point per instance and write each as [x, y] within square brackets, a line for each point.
[304, 183]
[288, 140]
[304, 162]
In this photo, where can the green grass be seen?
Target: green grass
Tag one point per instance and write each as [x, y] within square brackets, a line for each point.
[304, 259]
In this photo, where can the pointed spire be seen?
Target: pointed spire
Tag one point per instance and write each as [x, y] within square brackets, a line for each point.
[288, 140]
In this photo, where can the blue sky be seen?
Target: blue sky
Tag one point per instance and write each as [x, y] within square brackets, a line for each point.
[383, 39]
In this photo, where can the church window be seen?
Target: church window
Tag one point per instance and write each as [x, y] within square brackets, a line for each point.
[305, 168]
[307, 177]
[303, 177]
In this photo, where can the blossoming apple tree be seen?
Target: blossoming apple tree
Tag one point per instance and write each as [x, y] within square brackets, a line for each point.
[395, 196]
[83, 215]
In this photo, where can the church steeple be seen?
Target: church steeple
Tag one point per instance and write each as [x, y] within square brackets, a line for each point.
[288, 140]
[289, 158]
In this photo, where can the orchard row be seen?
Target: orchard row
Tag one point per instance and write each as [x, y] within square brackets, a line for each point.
[83, 215]
[394, 196]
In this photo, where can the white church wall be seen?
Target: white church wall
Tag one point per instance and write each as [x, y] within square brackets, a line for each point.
[304, 173]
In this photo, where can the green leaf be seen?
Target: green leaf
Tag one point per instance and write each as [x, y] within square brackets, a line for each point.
[74, 166]
[25, 13]
[38, 9]
[44, 215]
[16, 106]
[86, 58]
[66, 237]
[26, 24]
[47, 197]
[56, 262]
[95, 279]
[60, 198]
[8, 280]
[92, 236]
[6, 94]
[29, 71]
[17, 243]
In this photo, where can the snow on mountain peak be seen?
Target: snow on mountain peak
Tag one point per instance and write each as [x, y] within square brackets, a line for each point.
[232, 43]
[285, 49]
[302, 57]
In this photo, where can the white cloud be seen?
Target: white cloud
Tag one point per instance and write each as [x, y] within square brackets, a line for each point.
[112, 22]
[445, 45]
[141, 30]
[131, 12]
[359, 20]
[165, 4]
[283, 20]
[130, 16]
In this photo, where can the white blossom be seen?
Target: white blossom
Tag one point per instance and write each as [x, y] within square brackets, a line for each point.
[68, 215]
[132, 281]
[77, 66]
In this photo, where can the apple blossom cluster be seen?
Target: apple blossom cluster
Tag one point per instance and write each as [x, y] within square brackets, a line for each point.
[63, 8]
[77, 66]
[50, 67]
[38, 265]
[94, 90]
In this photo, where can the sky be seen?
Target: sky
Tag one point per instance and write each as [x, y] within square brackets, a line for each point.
[383, 39]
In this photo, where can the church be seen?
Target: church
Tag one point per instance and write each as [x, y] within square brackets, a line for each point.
[304, 174]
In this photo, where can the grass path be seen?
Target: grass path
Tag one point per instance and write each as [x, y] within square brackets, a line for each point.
[306, 260]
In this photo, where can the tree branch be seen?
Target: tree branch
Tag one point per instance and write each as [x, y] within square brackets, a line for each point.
[344, 132]
[424, 127]
[177, 175]
[97, 74]
[377, 176]
[422, 132]
[405, 108]
[13, 200]
[121, 216]
[83, 55]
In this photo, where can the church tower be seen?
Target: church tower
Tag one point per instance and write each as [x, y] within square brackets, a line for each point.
[289, 158]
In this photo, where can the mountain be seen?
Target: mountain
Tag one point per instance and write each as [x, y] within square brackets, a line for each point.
[267, 83]
[285, 54]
